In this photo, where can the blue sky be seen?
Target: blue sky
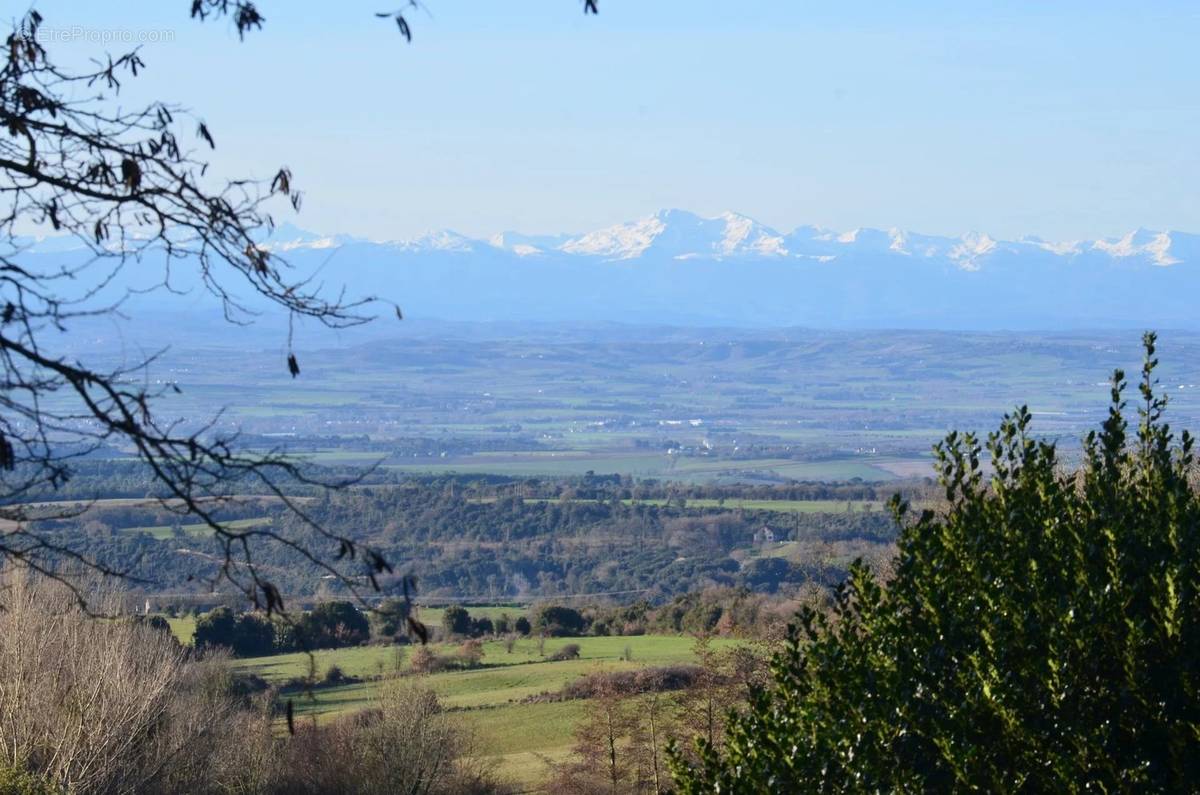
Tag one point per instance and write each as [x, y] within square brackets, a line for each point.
[1065, 119]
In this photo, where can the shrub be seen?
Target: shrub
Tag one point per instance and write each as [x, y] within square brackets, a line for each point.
[92, 706]
[15, 781]
[470, 654]
[568, 652]
[1041, 633]
[522, 625]
[155, 622]
[424, 661]
[645, 680]
[404, 743]
[427, 661]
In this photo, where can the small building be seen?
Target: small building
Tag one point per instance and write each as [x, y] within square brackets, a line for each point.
[764, 535]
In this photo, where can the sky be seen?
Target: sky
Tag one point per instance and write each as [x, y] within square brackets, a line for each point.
[1066, 120]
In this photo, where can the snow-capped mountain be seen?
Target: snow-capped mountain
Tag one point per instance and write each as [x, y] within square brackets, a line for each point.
[287, 237]
[681, 235]
[681, 268]
[525, 245]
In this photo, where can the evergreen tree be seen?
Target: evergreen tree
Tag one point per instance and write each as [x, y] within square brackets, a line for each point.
[1040, 634]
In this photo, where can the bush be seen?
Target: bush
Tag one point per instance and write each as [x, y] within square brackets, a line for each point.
[155, 622]
[470, 654]
[522, 625]
[404, 743]
[427, 661]
[15, 781]
[645, 680]
[91, 706]
[1041, 633]
[424, 661]
[568, 652]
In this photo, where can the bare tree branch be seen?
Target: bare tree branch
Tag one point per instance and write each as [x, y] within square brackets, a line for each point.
[130, 191]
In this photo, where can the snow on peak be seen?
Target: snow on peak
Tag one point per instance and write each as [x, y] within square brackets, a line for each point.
[970, 248]
[743, 234]
[288, 237]
[1141, 242]
[526, 245]
[333, 241]
[681, 235]
[916, 245]
[622, 241]
[1062, 248]
[441, 240]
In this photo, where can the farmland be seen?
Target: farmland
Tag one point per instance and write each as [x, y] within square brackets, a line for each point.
[518, 736]
[690, 405]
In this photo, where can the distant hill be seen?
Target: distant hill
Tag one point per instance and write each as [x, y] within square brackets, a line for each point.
[675, 267]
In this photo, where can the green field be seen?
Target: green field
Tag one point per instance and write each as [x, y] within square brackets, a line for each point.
[575, 462]
[183, 628]
[517, 736]
[165, 531]
[778, 506]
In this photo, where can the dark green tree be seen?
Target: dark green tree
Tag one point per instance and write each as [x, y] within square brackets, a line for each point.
[388, 620]
[559, 621]
[246, 635]
[216, 628]
[333, 624]
[1040, 634]
[456, 621]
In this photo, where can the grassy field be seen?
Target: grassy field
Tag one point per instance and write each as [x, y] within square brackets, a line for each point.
[576, 462]
[182, 628]
[517, 736]
[165, 531]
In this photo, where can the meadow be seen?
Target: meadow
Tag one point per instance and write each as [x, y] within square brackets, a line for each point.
[518, 735]
[774, 506]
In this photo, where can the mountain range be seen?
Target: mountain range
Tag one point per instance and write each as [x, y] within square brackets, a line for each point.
[676, 267]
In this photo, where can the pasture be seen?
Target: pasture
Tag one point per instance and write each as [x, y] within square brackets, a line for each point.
[518, 735]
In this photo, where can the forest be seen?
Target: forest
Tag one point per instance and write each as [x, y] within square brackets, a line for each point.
[499, 538]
